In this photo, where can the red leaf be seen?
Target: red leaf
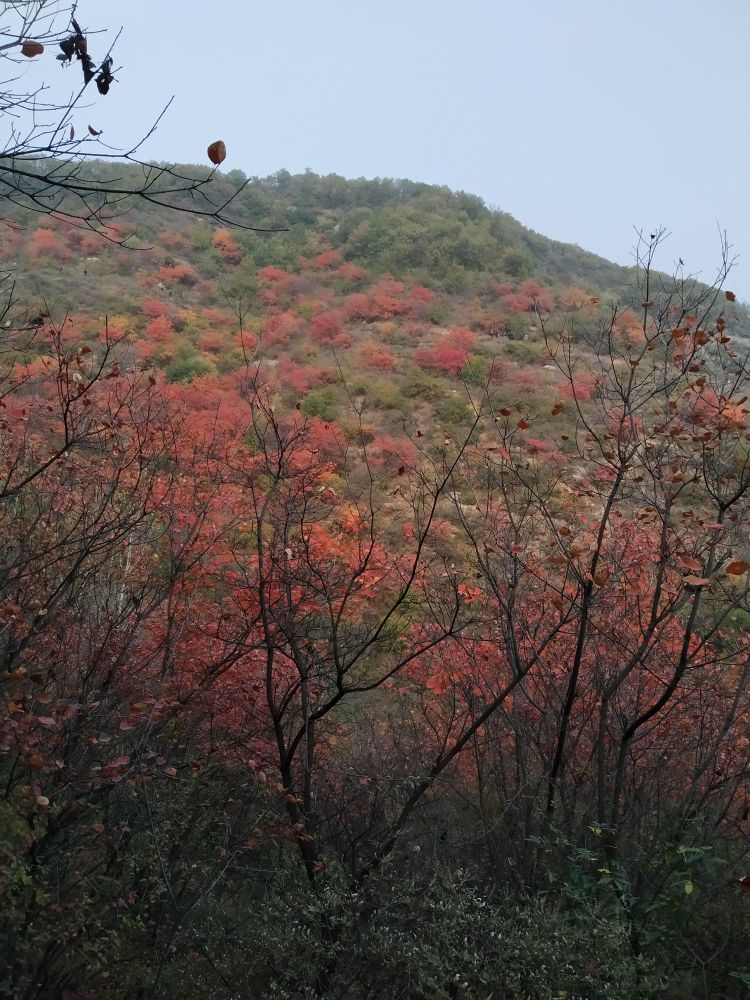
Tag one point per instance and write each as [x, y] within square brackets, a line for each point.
[730, 296]
[689, 563]
[737, 567]
[696, 581]
[217, 152]
[31, 49]
[523, 425]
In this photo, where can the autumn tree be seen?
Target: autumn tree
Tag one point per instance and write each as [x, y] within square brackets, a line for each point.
[619, 592]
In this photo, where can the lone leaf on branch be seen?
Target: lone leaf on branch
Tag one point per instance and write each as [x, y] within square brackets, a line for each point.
[217, 152]
[31, 49]
[730, 296]
[93, 131]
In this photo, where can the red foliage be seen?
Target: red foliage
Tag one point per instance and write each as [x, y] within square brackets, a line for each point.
[418, 294]
[160, 330]
[527, 297]
[392, 453]
[377, 356]
[442, 356]
[155, 307]
[273, 275]
[462, 337]
[352, 273]
[326, 328]
[301, 378]
[327, 259]
[386, 299]
[357, 306]
[279, 329]
[224, 242]
[246, 341]
[182, 274]
[212, 341]
[582, 389]
[45, 243]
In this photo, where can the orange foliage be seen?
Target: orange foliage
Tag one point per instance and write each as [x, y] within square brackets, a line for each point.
[183, 274]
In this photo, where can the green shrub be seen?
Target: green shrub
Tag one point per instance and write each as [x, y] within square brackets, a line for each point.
[187, 368]
[318, 403]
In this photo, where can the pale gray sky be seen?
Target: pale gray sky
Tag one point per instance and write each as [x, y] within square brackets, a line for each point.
[581, 118]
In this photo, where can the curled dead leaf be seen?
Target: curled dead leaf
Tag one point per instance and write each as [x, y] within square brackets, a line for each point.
[31, 49]
[217, 152]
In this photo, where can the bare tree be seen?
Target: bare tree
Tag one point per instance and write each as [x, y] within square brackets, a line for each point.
[45, 164]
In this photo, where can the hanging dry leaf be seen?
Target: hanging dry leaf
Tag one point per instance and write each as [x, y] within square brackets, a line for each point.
[730, 296]
[31, 49]
[93, 131]
[217, 152]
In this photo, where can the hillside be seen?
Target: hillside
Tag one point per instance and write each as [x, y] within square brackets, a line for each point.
[373, 608]
[403, 295]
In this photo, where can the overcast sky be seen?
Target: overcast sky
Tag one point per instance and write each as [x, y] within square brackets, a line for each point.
[581, 118]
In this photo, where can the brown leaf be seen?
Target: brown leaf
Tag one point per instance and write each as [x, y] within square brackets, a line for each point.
[93, 131]
[696, 581]
[31, 49]
[523, 425]
[217, 152]
[737, 567]
[730, 296]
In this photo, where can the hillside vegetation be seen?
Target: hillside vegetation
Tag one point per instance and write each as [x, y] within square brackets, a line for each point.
[373, 607]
